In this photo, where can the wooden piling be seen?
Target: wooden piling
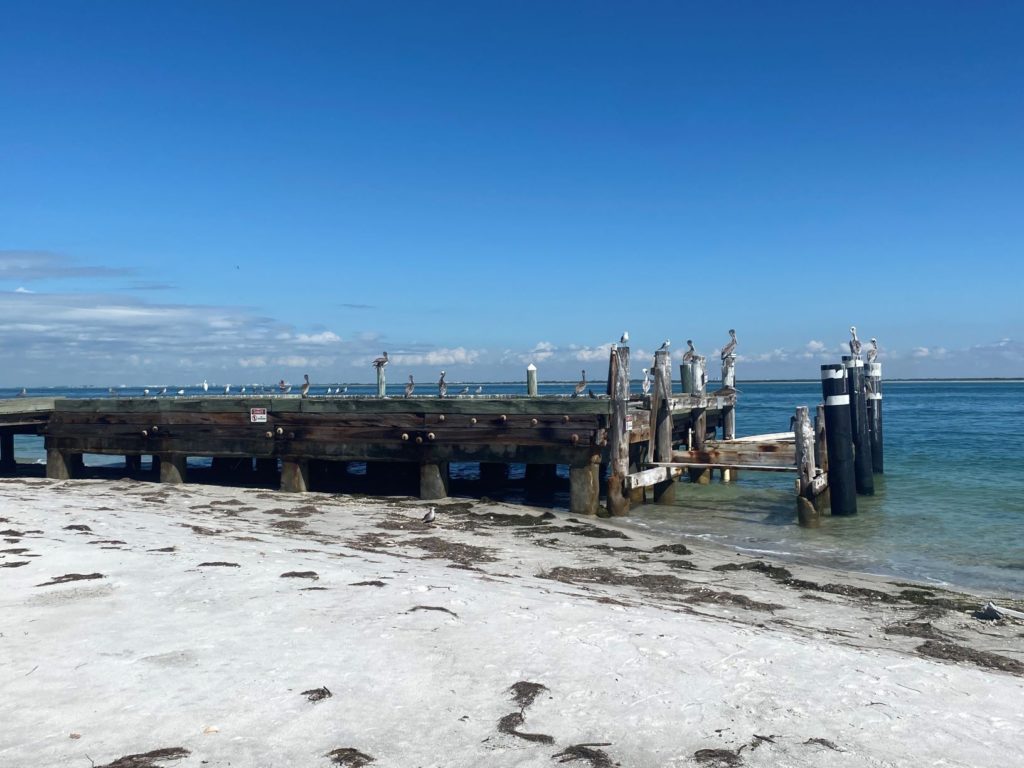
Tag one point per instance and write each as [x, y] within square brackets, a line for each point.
[661, 423]
[584, 489]
[58, 464]
[434, 480]
[873, 389]
[820, 442]
[295, 475]
[381, 382]
[8, 464]
[841, 482]
[859, 426]
[686, 378]
[531, 380]
[618, 437]
[173, 468]
[808, 483]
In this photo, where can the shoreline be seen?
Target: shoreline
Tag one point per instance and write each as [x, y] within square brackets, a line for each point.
[205, 618]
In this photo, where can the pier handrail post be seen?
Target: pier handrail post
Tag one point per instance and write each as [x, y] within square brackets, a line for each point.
[381, 382]
[618, 437]
[839, 438]
[859, 425]
[661, 422]
[873, 389]
[531, 380]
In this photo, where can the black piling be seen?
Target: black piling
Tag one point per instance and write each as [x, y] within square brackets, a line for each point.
[873, 390]
[839, 440]
[865, 479]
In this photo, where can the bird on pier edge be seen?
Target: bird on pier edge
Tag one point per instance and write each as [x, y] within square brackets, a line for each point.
[410, 387]
[873, 351]
[624, 339]
[381, 362]
[729, 348]
[582, 385]
[442, 386]
[305, 386]
[855, 345]
[691, 353]
[664, 345]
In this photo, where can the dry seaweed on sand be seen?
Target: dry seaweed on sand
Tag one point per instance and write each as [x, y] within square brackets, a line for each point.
[349, 757]
[317, 694]
[71, 577]
[431, 608]
[718, 758]
[510, 723]
[373, 583]
[954, 652]
[219, 563]
[525, 693]
[824, 743]
[453, 551]
[923, 629]
[675, 549]
[148, 759]
[300, 575]
[597, 758]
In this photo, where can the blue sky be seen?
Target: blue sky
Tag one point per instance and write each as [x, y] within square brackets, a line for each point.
[250, 191]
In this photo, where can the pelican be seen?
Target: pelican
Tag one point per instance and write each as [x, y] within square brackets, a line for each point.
[624, 339]
[381, 362]
[206, 385]
[665, 345]
[725, 391]
[582, 385]
[442, 386]
[287, 388]
[645, 387]
[305, 386]
[729, 348]
[873, 352]
[465, 391]
[690, 354]
[855, 345]
[410, 387]
[429, 517]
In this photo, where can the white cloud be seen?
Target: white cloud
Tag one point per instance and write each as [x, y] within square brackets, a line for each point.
[440, 356]
[325, 337]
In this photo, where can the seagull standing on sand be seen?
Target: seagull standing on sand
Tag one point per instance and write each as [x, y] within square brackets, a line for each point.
[429, 517]
[873, 352]
[381, 362]
[410, 387]
[582, 385]
[442, 386]
[729, 348]
[690, 354]
[645, 387]
[305, 386]
[855, 345]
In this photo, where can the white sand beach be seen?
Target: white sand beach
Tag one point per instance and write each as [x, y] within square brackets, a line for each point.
[211, 626]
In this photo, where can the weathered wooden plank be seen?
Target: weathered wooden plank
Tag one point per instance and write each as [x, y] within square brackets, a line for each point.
[784, 456]
[25, 405]
[648, 477]
[716, 465]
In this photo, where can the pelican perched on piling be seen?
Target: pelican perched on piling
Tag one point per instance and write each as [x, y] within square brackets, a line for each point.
[582, 385]
[410, 387]
[305, 386]
[381, 362]
[442, 386]
[855, 345]
[645, 386]
[691, 353]
[729, 348]
[873, 351]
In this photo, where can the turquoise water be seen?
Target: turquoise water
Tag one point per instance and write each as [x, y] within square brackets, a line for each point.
[949, 509]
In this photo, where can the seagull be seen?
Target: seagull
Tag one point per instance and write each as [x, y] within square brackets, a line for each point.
[582, 385]
[112, 392]
[591, 395]
[24, 392]
[381, 362]
[328, 390]
[855, 345]
[729, 348]
[691, 353]
[163, 391]
[429, 517]
[243, 390]
[645, 387]
[282, 386]
[145, 393]
[624, 339]
[305, 386]
[664, 345]
[442, 386]
[873, 352]
[465, 391]
[410, 387]
[227, 388]
[342, 391]
[480, 389]
[206, 385]
[181, 391]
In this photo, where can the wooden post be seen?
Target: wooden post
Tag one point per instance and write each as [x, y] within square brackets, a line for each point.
[686, 378]
[841, 483]
[295, 475]
[729, 412]
[8, 465]
[699, 420]
[873, 387]
[636, 457]
[584, 489]
[820, 441]
[661, 423]
[434, 480]
[803, 433]
[58, 465]
[859, 425]
[381, 382]
[700, 375]
[531, 380]
[618, 437]
[173, 468]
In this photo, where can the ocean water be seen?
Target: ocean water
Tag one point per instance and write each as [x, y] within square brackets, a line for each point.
[949, 509]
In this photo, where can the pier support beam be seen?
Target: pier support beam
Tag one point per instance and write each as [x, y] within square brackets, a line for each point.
[294, 475]
[434, 480]
[173, 468]
[7, 463]
[661, 423]
[59, 464]
[133, 464]
[584, 489]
